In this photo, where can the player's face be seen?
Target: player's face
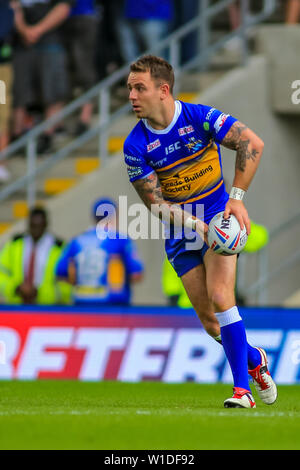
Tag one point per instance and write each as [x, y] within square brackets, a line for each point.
[144, 94]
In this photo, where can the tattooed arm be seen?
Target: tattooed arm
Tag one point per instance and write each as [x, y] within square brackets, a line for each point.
[150, 192]
[249, 148]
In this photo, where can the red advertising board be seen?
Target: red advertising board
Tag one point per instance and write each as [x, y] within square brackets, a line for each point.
[136, 344]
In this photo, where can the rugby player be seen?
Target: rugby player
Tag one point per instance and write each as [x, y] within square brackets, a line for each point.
[173, 156]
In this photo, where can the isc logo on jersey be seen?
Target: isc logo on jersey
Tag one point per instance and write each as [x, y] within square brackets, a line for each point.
[220, 121]
[171, 148]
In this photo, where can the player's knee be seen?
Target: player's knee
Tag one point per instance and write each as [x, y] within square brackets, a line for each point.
[221, 299]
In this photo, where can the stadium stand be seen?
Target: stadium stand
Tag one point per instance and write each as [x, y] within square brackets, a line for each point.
[75, 180]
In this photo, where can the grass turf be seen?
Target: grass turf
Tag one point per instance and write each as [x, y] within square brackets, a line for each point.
[148, 415]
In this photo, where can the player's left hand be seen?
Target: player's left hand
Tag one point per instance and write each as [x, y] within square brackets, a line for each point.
[238, 209]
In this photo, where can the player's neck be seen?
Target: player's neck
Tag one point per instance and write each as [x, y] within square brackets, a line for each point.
[164, 116]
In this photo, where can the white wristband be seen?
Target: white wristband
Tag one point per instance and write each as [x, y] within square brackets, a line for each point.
[190, 223]
[237, 193]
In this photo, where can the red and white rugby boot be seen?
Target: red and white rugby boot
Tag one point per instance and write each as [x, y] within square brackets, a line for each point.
[241, 399]
[264, 384]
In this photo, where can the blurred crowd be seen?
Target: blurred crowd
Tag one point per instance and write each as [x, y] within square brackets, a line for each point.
[51, 50]
[97, 267]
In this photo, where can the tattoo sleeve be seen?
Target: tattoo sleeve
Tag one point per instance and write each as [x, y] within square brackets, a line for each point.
[238, 138]
[150, 192]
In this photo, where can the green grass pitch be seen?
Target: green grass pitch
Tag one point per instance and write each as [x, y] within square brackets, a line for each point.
[148, 416]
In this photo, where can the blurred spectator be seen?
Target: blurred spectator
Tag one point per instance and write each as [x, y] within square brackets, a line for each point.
[80, 34]
[185, 12]
[99, 262]
[142, 25]
[234, 15]
[257, 240]
[292, 11]
[6, 77]
[234, 10]
[39, 62]
[27, 265]
[108, 56]
[173, 288]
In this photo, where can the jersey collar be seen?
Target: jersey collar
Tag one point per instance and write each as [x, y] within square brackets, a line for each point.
[177, 112]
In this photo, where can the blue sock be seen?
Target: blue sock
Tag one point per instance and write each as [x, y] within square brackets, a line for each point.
[254, 357]
[235, 345]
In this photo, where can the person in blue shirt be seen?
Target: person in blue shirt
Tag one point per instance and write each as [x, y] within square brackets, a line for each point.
[101, 263]
[174, 162]
[142, 25]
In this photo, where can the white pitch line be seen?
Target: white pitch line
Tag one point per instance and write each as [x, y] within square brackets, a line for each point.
[121, 412]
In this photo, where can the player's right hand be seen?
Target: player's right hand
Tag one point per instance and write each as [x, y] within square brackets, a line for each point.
[238, 209]
[202, 230]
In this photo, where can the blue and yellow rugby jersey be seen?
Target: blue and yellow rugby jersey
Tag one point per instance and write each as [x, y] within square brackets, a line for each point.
[186, 155]
[103, 267]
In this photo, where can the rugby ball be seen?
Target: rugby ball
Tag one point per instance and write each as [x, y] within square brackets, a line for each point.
[225, 235]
